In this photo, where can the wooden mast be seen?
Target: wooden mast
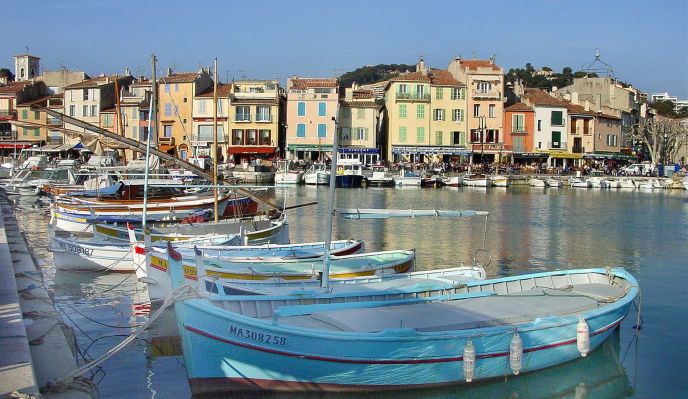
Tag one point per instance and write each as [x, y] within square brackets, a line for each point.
[215, 156]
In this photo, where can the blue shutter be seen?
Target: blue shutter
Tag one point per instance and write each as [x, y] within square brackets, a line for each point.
[322, 109]
[322, 130]
[301, 109]
[301, 130]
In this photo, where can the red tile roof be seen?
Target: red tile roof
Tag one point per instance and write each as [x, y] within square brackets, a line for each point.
[223, 91]
[262, 101]
[607, 116]
[97, 81]
[14, 87]
[144, 82]
[307, 83]
[185, 77]
[411, 77]
[475, 64]
[518, 107]
[436, 77]
[540, 97]
[33, 102]
[361, 94]
[578, 110]
[359, 104]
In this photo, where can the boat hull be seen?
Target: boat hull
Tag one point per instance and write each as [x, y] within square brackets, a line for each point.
[289, 178]
[316, 178]
[349, 181]
[267, 355]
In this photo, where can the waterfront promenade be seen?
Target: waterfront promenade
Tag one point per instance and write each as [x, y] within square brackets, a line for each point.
[34, 348]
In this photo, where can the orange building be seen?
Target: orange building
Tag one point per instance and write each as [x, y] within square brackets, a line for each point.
[519, 128]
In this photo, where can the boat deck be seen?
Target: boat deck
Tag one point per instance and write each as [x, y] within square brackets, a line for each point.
[476, 311]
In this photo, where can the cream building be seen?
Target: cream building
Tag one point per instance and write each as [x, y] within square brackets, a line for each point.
[484, 82]
[358, 120]
[85, 100]
[311, 113]
[176, 92]
[426, 116]
[202, 136]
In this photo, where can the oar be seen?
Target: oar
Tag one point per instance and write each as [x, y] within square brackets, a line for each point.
[299, 205]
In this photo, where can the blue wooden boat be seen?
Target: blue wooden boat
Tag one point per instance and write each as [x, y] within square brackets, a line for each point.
[484, 329]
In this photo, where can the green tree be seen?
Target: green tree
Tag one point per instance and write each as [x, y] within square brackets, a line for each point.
[4, 72]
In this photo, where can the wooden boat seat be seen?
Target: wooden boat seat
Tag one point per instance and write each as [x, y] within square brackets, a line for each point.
[466, 313]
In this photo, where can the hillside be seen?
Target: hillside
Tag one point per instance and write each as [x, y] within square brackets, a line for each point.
[372, 74]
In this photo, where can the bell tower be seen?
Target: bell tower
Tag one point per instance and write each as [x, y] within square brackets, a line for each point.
[26, 67]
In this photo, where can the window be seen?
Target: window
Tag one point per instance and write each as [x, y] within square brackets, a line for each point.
[85, 94]
[301, 109]
[586, 126]
[176, 87]
[167, 130]
[182, 154]
[201, 106]
[37, 132]
[168, 109]
[107, 120]
[36, 115]
[344, 133]
[322, 130]
[402, 134]
[346, 113]
[237, 136]
[438, 114]
[492, 136]
[539, 125]
[72, 110]
[94, 110]
[263, 113]
[167, 87]
[264, 137]
[455, 93]
[420, 90]
[463, 93]
[402, 110]
[557, 118]
[476, 135]
[519, 144]
[438, 93]
[251, 137]
[243, 113]
[483, 87]
[25, 131]
[361, 113]
[491, 111]
[143, 134]
[611, 140]
[438, 137]
[556, 140]
[301, 130]
[517, 123]
[84, 110]
[133, 132]
[361, 133]
[459, 138]
[457, 115]
[205, 133]
[420, 111]
[25, 114]
[476, 110]
[420, 134]
[322, 109]
[403, 88]
[134, 113]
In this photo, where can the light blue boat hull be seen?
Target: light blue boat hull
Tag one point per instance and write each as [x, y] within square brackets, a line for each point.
[226, 351]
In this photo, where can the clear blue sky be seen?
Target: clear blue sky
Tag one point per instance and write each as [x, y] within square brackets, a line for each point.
[646, 42]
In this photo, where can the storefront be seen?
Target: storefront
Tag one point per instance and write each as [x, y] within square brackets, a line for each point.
[366, 156]
[564, 160]
[528, 158]
[491, 153]
[242, 154]
[429, 154]
[309, 152]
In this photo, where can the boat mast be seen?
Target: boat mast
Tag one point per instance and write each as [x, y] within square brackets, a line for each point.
[215, 158]
[325, 281]
[152, 124]
[118, 116]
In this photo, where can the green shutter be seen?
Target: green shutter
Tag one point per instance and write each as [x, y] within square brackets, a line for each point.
[402, 134]
[365, 134]
[402, 110]
[557, 118]
[438, 137]
[420, 135]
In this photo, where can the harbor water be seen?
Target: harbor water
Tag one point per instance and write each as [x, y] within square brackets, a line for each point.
[528, 230]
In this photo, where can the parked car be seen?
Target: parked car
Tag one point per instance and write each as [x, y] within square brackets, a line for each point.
[638, 169]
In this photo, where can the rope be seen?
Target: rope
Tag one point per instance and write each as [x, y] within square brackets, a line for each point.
[61, 384]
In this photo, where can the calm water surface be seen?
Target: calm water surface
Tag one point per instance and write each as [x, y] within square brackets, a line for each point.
[528, 230]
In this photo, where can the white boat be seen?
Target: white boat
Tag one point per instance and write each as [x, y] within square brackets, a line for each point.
[598, 182]
[349, 173]
[254, 174]
[407, 178]
[317, 174]
[649, 184]
[380, 177]
[453, 181]
[685, 182]
[285, 174]
[535, 182]
[579, 182]
[626, 183]
[551, 182]
[476, 181]
[499, 181]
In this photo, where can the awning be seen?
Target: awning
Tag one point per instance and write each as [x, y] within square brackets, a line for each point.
[531, 155]
[357, 150]
[250, 150]
[165, 147]
[59, 147]
[309, 147]
[566, 155]
[18, 145]
[432, 150]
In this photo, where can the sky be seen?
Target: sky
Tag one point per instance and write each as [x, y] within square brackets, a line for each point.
[645, 42]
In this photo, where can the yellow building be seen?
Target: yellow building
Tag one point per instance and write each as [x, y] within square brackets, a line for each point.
[358, 121]
[176, 92]
[36, 127]
[426, 116]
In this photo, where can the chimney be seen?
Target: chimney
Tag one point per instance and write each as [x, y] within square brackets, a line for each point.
[493, 58]
[349, 94]
[169, 71]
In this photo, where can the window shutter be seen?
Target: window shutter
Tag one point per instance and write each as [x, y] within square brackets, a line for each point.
[365, 134]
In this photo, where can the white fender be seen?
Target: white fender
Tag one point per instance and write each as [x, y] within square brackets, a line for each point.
[468, 361]
[516, 353]
[583, 337]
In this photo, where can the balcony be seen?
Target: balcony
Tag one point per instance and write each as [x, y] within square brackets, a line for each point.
[413, 96]
[556, 145]
[495, 94]
[8, 115]
[242, 118]
[578, 149]
[166, 140]
[54, 122]
[221, 138]
[264, 118]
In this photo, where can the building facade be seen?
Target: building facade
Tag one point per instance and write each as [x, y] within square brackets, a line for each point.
[202, 137]
[519, 131]
[11, 96]
[26, 67]
[551, 116]
[358, 121]
[312, 108]
[176, 92]
[85, 100]
[426, 116]
[484, 82]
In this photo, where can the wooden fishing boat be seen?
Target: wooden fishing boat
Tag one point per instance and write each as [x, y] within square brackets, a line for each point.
[285, 174]
[481, 330]
[380, 177]
[535, 182]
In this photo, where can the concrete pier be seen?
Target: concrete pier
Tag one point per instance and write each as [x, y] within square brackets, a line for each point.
[34, 349]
